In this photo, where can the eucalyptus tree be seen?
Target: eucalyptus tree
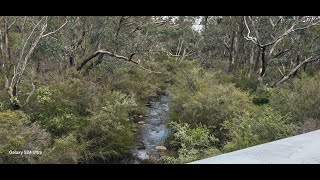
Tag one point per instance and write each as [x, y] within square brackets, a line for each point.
[19, 36]
[268, 32]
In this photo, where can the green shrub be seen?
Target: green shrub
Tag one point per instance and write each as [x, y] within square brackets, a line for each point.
[62, 107]
[17, 133]
[140, 84]
[44, 95]
[300, 98]
[192, 144]
[259, 99]
[136, 82]
[2, 107]
[246, 84]
[65, 150]
[200, 98]
[4, 101]
[266, 126]
[109, 132]
[65, 123]
[263, 96]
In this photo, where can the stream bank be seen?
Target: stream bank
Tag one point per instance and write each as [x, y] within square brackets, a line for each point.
[152, 133]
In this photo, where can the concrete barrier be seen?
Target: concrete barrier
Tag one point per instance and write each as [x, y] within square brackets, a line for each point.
[300, 149]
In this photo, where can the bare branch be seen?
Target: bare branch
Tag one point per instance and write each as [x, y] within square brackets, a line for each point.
[15, 20]
[55, 30]
[294, 70]
[255, 29]
[290, 30]
[248, 37]
[16, 75]
[119, 56]
[161, 22]
[22, 64]
[271, 22]
[95, 54]
[280, 20]
[119, 25]
[226, 43]
[280, 71]
[26, 42]
[273, 47]
[85, 61]
[280, 53]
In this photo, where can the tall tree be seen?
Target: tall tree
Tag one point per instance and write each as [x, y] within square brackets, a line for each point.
[269, 32]
[30, 31]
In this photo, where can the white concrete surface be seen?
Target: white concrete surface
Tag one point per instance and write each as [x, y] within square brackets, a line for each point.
[300, 149]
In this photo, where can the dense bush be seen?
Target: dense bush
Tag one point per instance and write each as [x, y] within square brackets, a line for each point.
[109, 132]
[2, 107]
[263, 96]
[300, 98]
[62, 107]
[192, 144]
[259, 99]
[238, 119]
[17, 133]
[65, 150]
[200, 98]
[138, 82]
[4, 101]
[246, 84]
[268, 125]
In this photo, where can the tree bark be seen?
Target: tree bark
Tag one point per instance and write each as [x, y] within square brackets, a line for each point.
[205, 24]
[250, 63]
[239, 43]
[97, 62]
[236, 51]
[72, 59]
[257, 62]
[6, 38]
[15, 106]
[297, 63]
[262, 70]
[85, 61]
[231, 52]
